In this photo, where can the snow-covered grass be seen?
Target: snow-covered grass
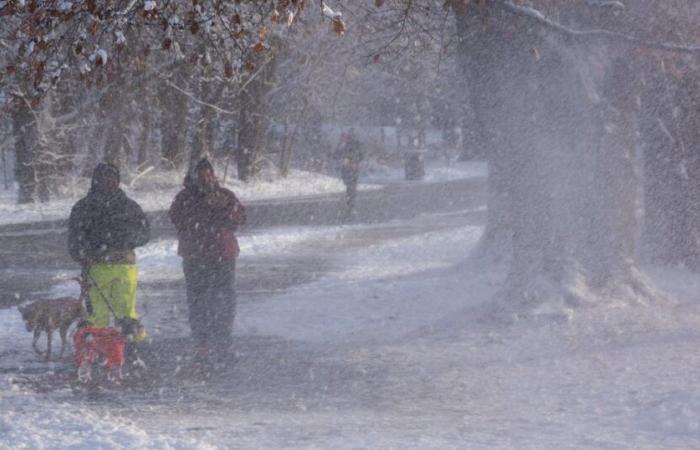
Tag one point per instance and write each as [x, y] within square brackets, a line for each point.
[427, 363]
[436, 170]
[155, 190]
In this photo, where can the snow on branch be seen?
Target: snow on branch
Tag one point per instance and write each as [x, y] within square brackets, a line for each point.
[537, 16]
[335, 17]
[606, 3]
[328, 12]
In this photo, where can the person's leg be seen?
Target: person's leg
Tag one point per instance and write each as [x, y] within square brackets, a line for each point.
[196, 280]
[211, 311]
[129, 321]
[99, 278]
[223, 303]
[352, 193]
[123, 290]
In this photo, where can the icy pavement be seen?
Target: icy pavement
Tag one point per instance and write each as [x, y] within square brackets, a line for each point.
[393, 347]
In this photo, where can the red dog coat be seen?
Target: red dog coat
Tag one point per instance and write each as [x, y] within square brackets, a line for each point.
[93, 343]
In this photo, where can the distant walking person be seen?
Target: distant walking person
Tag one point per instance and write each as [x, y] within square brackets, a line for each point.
[206, 216]
[103, 230]
[350, 153]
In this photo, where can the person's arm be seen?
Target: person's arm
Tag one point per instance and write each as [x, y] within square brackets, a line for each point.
[177, 211]
[77, 234]
[232, 212]
[237, 216]
[139, 229]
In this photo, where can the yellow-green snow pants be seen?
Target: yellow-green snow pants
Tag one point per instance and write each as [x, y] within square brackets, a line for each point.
[115, 283]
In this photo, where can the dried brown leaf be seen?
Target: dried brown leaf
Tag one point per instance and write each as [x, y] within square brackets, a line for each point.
[339, 26]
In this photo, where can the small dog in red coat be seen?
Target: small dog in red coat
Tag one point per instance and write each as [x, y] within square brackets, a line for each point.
[102, 345]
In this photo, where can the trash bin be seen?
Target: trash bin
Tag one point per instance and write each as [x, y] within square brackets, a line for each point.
[414, 166]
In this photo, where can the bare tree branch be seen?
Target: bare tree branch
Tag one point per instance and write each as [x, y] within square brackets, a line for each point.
[537, 16]
[192, 97]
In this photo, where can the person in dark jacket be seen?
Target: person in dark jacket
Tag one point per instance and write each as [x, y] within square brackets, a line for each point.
[206, 217]
[103, 230]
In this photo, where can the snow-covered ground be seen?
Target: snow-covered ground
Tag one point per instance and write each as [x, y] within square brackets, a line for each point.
[397, 348]
[435, 171]
[155, 191]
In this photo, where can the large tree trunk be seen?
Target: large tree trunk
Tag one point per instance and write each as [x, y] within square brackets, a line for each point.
[95, 142]
[253, 119]
[480, 57]
[144, 140]
[38, 148]
[671, 167]
[173, 118]
[115, 129]
[689, 126]
[205, 138]
[561, 189]
[613, 219]
[69, 104]
[26, 138]
[47, 153]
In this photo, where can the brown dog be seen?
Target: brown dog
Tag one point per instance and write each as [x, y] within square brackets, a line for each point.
[50, 315]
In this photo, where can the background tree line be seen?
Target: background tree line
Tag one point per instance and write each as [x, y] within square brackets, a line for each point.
[157, 84]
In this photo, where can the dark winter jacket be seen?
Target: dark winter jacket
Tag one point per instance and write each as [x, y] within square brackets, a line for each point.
[106, 227]
[206, 223]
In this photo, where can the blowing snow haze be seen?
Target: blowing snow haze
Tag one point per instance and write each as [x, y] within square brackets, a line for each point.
[469, 224]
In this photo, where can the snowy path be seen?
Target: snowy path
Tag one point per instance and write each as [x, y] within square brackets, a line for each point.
[392, 347]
